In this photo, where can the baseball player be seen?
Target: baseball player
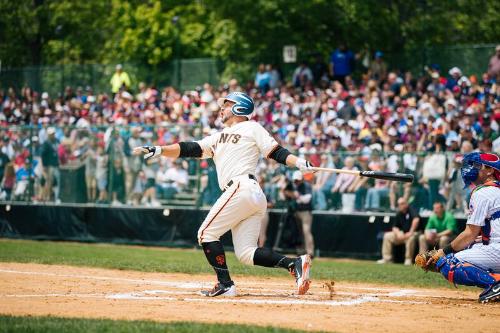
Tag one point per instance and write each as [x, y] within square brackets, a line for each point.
[236, 150]
[473, 258]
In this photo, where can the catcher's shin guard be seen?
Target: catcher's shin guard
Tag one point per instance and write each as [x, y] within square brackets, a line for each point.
[459, 272]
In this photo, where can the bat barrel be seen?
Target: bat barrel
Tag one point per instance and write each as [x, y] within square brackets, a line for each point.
[399, 177]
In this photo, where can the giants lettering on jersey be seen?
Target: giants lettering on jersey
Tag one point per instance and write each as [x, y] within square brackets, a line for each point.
[229, 138]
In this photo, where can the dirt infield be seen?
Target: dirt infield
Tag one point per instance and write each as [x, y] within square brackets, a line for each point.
[67, 291]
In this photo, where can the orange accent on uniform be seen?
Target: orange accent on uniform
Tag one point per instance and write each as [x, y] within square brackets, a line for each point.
[495, 276]
[201, 236]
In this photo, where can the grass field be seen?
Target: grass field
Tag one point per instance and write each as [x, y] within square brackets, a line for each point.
[55, 325]
[154, 259]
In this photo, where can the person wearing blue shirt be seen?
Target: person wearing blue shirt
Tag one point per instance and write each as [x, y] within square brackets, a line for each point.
[262, 79]
[341, 63]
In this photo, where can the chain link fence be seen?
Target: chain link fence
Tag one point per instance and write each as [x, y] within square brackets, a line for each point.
[185, 74]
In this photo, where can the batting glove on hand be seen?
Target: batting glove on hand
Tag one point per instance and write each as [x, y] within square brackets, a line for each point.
[150, 152]
[304, 165]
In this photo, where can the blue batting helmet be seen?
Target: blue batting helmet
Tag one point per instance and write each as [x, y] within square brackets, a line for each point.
[243, 104]
[473, 162]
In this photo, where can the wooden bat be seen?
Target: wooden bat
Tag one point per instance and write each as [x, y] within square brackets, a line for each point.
[399, 177]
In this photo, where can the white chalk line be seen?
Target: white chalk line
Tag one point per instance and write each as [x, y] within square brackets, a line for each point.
[232, 300]
[190, 285]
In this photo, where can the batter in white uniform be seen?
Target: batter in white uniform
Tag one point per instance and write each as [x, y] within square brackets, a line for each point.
[241, 207]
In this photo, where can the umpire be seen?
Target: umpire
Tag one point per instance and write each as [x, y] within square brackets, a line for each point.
[301, 192]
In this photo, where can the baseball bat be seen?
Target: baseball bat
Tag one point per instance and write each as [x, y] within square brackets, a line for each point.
[399, 177]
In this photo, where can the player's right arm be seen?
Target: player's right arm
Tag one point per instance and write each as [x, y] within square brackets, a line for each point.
[196, 149]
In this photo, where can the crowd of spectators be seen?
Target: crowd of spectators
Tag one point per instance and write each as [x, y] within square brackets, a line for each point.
[384, 120]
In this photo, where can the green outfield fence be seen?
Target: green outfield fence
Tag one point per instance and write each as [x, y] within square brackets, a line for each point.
[186, 74]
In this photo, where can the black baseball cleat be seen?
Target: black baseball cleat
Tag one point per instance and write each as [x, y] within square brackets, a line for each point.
[300, 271]
[492, 294]
[220, 289]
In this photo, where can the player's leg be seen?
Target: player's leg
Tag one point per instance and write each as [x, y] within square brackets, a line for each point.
[227, 210]
[478, 266]
[245, 235]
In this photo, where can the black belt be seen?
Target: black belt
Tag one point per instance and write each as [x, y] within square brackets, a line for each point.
[231, 182]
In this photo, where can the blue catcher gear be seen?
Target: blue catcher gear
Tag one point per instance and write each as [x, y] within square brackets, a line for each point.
[459, 272]
[243, 104]
[473, 162]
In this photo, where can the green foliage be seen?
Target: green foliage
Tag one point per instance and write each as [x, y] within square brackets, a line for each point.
[236, 32]
[13, 324]
[150, 259]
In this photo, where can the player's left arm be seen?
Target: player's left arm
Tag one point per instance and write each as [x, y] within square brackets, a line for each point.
[479, 206]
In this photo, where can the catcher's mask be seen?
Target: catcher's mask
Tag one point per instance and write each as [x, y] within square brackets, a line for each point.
[473, 162]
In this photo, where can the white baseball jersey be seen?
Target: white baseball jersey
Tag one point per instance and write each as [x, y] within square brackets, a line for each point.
[236, 149]
[484, 211]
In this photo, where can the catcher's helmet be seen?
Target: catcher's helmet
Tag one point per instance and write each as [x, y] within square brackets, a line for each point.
[472, 163]
[243, 103]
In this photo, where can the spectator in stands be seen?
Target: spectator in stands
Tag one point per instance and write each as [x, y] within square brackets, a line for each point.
[434, 168]
[101, 174]
[8, 181]
[302, 75]
[134, 161]
[381, 186]
[90, 160]
[319, 69]
[149, 196]
[323, 183]
[120, 80]
[50, 164]
[301, 192]
[378, 67]
[139, 188]
[440, 230]
[171, 180]
[343, 182]
[262, 79]
[405, 230]
[494, 66]
[455, 76]
[341, 63]
[117, 180]
[4, 160]
[274, 76]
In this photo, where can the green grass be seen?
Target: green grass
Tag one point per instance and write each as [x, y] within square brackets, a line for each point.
[154, 259]
[55, 324]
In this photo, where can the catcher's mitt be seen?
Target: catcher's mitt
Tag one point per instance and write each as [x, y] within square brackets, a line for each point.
[427, 261]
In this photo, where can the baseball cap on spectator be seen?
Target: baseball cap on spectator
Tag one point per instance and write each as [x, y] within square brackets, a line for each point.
[51, 131]
[435, 75]
[451, 101]
[455, 70]
[119, 66]
[45, 95]
[379, 54]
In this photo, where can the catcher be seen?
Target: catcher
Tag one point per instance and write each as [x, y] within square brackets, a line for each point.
[473, 258]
